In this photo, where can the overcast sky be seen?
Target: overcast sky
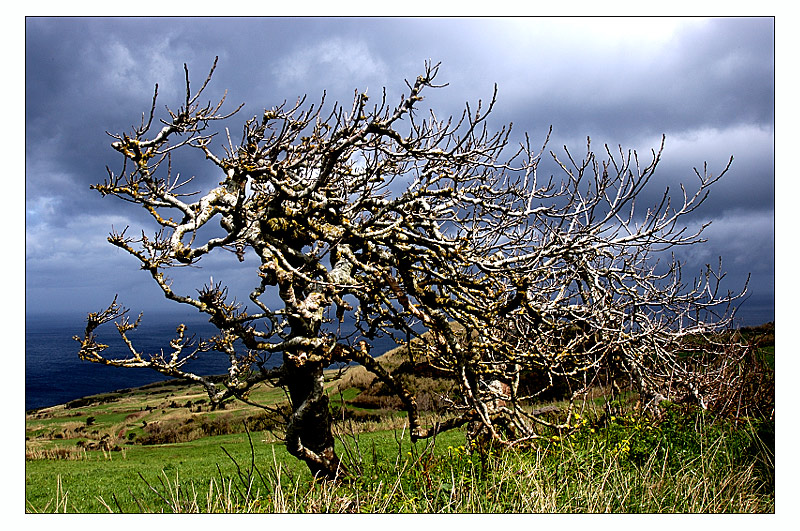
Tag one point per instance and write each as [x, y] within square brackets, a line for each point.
[707, 84]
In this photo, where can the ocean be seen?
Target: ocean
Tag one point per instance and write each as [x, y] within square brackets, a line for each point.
[54, 374]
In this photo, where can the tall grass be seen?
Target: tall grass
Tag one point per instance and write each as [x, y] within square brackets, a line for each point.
[684, 463]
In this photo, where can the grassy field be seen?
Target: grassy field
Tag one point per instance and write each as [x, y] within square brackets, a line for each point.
[625, 467]
[160, 449]
[625, 464]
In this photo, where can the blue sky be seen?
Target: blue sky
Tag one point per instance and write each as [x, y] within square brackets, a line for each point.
[707, 84]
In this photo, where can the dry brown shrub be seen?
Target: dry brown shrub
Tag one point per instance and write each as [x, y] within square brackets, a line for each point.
[730, 375]
[354, 377]
[741, 385]
[35, 452]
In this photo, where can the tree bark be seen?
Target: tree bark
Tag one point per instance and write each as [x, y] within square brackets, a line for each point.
[309, 436]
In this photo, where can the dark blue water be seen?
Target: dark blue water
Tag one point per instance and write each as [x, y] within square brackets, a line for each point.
[54, 374]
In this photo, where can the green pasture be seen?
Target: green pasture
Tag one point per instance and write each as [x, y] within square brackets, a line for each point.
[686, 463]
[99, 455]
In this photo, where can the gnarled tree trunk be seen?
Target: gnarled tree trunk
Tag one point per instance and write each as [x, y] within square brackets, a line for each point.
[308, 433]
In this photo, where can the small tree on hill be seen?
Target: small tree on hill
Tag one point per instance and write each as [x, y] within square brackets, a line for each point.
[405, 225]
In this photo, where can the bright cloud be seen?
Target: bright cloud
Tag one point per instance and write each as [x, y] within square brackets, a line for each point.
[337, 61]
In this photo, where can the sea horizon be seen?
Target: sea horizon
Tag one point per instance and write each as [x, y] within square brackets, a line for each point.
[54, 375]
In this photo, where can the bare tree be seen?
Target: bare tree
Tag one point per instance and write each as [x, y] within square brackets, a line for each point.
[406, 225]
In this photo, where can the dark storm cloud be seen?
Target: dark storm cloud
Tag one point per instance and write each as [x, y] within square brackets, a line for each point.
[707, 84]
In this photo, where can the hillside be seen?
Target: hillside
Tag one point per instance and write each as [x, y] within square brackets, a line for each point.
[177, 411]
[159, 448]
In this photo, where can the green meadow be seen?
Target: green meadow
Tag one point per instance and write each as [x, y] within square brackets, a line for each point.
[160, 448]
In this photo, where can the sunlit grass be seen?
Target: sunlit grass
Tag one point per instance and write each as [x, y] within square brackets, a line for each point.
[628, 464]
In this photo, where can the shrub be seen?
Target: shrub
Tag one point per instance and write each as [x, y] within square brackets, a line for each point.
[268, 420]
[344, 414]
[174, 431]
[167, 432]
